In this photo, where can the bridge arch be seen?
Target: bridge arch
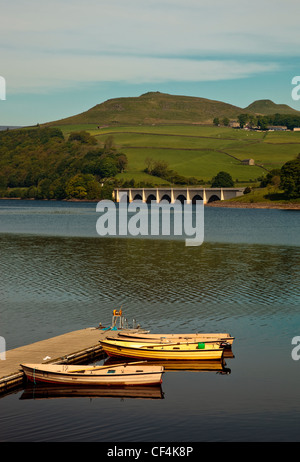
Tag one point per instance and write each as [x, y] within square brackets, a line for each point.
[196, 197]
[181, 198]
[214, 198]
[151, 198]
[137, 197]
[166, 197]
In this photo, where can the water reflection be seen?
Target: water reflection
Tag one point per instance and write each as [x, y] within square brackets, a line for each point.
[200, 366]
[54, 391]
[123, 270]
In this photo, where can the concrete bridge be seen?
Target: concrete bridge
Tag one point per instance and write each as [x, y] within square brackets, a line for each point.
[191, 195]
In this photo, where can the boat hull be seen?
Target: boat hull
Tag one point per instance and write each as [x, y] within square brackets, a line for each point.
[162, 352]
[131, 375]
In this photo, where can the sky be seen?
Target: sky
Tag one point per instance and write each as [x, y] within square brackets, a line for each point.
[60, 58]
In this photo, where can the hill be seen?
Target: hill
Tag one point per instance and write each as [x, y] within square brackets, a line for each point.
[161, 108]
[268, 107]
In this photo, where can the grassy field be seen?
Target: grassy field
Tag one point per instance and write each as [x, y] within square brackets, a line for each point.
[197, 151]
[264, 195]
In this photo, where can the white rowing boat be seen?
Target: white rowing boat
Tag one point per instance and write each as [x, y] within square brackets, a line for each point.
[118, 375]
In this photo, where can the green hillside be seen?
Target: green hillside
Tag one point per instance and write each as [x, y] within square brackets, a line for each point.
[267, 107]
[197, 151]
[162, 108]
[201, 152]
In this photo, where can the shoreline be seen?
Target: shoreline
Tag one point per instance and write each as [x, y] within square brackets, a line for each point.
[254, 205]
[223, 204]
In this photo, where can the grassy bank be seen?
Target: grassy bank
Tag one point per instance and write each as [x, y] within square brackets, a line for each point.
[261, 198]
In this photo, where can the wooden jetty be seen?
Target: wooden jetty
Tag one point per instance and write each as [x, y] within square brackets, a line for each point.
[73, 348]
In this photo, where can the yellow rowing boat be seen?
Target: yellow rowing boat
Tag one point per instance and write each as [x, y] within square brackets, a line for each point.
[163, 351]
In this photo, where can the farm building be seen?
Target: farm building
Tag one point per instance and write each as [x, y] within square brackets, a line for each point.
[277, 128]
[248, 162]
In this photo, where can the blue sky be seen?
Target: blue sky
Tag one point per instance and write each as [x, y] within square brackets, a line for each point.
[62, 57]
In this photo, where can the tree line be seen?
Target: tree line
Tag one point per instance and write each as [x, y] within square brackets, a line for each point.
[40, 163]
[262, 122]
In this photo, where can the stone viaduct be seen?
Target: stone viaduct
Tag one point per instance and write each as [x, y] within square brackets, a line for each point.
[191, 195]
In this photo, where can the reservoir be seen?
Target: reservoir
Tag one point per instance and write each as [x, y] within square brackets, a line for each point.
[58, 275]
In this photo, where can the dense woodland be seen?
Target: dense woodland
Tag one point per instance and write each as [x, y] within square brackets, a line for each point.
[39, 163]
[262, 122]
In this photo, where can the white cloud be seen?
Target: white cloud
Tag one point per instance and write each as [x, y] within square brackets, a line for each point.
[68, 41]
[152, 27]
[35, 72]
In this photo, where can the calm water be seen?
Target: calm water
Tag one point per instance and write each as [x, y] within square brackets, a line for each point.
[57, 275]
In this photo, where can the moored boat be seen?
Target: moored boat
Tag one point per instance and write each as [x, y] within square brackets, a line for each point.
[163, 351]
[143, 342]
[117, 375]
[140, 343]
[194, 337]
